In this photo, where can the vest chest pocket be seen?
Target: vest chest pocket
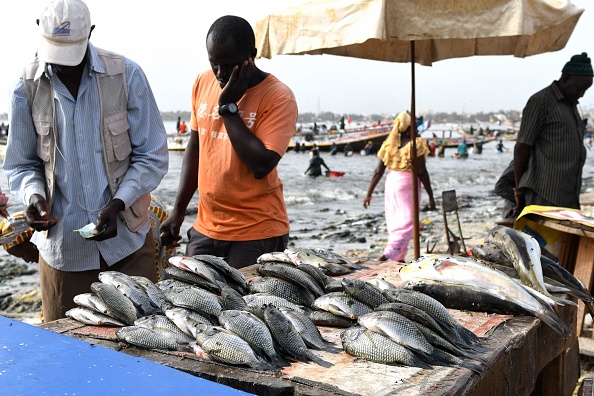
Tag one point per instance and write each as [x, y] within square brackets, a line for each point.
[44, 139]
[117, 140]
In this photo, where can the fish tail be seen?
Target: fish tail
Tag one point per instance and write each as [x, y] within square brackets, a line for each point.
[317, 360]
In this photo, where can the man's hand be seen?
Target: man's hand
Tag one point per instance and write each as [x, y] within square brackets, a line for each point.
[520, 202]
[170, 229]
[107, 222]
[37, 214]
[431, 204]
[366, 202]
[238, 82]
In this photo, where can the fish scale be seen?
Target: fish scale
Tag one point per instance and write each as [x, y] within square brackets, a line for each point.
[130, 289]
[433, 308]
[164, 325]
[253, 330]
[228, 347]
[282, 288]
[291, 274]
[260, 299]
[93, 318]
[146, 338]
[287, 336]
[399, 329]
[120, 306]
[364, 292]
[361, 342]
[341, 304]
[155, 294]
[194, 298]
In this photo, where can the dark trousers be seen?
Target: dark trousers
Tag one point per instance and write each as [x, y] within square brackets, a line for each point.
[238, 254]
[58, 288]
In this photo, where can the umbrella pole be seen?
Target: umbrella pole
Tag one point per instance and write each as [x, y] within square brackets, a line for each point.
[413, 154]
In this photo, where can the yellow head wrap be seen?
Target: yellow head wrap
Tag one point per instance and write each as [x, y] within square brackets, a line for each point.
[389, 152]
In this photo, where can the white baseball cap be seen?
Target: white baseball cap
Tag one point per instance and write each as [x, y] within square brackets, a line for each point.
[65, 26]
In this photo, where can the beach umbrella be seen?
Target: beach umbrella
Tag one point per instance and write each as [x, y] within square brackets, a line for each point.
[417, 31]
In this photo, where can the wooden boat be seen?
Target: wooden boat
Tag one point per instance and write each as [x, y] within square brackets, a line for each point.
[177, 142]
[352, 139]
[454, 142]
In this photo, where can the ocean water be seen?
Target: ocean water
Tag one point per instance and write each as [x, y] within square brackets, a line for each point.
[328, 212]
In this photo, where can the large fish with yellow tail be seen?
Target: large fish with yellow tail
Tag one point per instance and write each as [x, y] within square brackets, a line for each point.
[464, 283]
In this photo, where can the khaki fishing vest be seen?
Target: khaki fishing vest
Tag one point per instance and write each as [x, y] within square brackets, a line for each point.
[113, 99]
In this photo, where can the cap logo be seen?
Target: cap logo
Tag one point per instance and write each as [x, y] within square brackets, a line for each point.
[62, 29]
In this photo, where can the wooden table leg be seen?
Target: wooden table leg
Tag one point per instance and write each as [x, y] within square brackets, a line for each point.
[584, 269]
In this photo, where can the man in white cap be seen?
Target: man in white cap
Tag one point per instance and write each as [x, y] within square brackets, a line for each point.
[87, 145]
[549, 153]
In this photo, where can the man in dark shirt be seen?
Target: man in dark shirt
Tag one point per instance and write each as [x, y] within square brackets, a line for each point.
[549, 152]
[315, 164]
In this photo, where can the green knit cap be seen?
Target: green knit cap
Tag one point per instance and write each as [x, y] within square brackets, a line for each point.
[579, 65]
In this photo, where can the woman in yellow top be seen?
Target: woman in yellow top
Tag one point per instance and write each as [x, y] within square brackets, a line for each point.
[395, 155]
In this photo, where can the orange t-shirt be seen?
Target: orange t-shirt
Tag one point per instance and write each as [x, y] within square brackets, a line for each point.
[233, 205]
[182, 127]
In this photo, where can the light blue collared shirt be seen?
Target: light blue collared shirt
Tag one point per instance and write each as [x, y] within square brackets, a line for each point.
[81, 189]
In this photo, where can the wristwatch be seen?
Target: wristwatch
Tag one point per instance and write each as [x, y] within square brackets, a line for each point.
[228, 108]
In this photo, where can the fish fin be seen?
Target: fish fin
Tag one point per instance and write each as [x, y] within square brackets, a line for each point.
[317, 360]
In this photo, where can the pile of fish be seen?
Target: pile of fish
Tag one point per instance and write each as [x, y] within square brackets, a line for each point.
[507, 274]
[329, 262]
[393, 325]
[207, 307]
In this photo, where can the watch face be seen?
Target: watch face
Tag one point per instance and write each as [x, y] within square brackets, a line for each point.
[232, 108]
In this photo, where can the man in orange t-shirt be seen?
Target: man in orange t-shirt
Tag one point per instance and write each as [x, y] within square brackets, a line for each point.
[242, 121]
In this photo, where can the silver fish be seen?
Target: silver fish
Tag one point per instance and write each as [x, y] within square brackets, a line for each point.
[308, 330]
[490, 252]
[162, 324]
[120, 306]
[232, 299]
[316, 273]
[260, 299]
[361, 342]
[129, 288]
[333, 257]
[192, 279]
[195, 298]
[381, 284]
[325, 318]
[154, 293]
[92, 302]
[470, 281]
[224, 268]
[524, 251]
[434, 308]
[364, 292]
[342, 304]
[288, 337]
[417, 315]
[227, 347]
[185, 319]
[399, 329]
[146, 338]
[282, 288]
[93, 318]
[193, 265]
[253, 330]
[291, 274]
[274, 257]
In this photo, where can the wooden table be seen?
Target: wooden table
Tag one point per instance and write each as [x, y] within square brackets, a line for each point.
[525, 357]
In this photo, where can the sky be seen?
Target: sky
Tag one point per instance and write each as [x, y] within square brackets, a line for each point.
[168, 42]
